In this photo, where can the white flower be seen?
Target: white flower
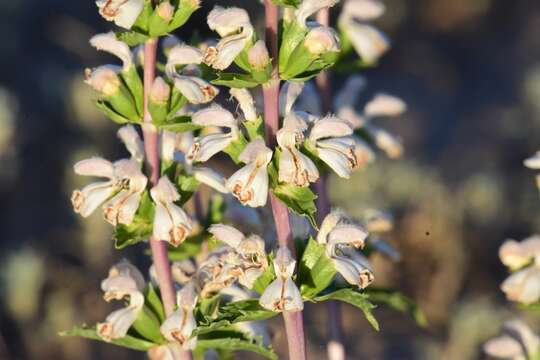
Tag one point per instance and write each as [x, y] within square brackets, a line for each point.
[196, 90]
[171, 351]
[288, 94]
[353, 267]
[385, 105]
[179, 326]
[282, 294]
[124, 177]
[330, 136]
[533, 162]
[160, 91]
[524, 285]
[227, 21]
[104, 79]
[216, 273]
[124, 13]
[246, 102]
[386, 142]
[250, 184]
[182, 54]
[321, 39]
[207, 146]
[518, 254]
[382, 105]
[170, 141]
[340, 236]
[124, 281]
[294, 167]
[171, 223]
[251, 257]
[122, 207]
[235, 28]
[133, 142]
[258, 56]
[368, 41]
[310, 7]
[108, 42]
[517, 342]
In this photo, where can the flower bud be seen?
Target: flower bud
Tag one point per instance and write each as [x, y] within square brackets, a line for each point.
[104, 80]
[258, 56]
[165, 11]
[160, 91]
[321, 40]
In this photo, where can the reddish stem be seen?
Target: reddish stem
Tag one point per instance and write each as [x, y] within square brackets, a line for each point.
[294, 326]
[160, 255]
[335, 345]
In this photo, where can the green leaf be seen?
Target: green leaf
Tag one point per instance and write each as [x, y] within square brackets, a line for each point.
[301, 200]
[178, 124]
[216, 209]
[106, 108]
[355, 298]
[232, 313]
[132, 38]
[287, 3]
[293, 34]
[140, 228]
[177, 102]
[128, 341]
[234, 340]
[207, 308]
[235, 148]
[182, 14]
[147, 325]
[244, 310]
[187, 185]
[242, 59]
[153, 301]
[235, 80]
[397, 301]
[139, 31]
[315, 270]
[134, 84]
[255, 129]
[266, 278]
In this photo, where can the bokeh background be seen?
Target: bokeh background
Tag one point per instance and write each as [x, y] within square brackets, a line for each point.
[470, 73]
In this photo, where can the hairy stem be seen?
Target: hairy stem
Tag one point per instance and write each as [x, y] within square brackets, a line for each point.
[335, 346]
[160, 255]
[151, 149]
[294, 326]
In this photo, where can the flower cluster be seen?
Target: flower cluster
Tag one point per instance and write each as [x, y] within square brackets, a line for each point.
[226, 280]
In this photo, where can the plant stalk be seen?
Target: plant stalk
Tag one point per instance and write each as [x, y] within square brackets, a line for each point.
[335, 347]
[160, 255]
[151, 149]
[294, 326]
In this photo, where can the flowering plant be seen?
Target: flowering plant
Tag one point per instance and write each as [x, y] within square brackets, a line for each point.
[223, 282]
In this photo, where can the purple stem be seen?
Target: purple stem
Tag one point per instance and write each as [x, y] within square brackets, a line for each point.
[160, 256]
[294, 326]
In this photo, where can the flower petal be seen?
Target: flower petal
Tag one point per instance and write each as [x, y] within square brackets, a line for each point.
[95, 166]
[130, 137]
[211, 178]
[108, 42]
[227, 234]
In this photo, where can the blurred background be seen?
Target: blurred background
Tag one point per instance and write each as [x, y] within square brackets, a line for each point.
[470, 73]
